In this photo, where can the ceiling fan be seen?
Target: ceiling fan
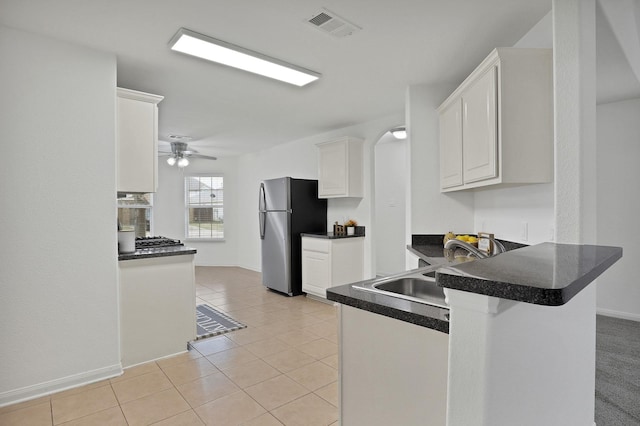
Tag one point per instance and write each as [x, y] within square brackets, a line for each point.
[180, 154]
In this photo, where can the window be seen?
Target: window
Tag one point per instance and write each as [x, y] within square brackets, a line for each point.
[134, 212]
[204, 207]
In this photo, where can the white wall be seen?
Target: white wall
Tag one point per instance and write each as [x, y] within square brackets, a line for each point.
[525, 213]
[574, 69]
[618, 152]
[390, 204]
[59, 300]
[169, 211]
[431, 212]
[299, 159]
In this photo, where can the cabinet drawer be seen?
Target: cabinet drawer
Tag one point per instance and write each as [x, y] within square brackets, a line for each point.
[316, 244]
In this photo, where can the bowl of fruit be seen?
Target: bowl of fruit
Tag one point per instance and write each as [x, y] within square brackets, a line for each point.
[471, 239]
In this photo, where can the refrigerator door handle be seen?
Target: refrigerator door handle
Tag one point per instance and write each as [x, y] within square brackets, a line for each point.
[261, 210]
[262, 200]
[262, 217]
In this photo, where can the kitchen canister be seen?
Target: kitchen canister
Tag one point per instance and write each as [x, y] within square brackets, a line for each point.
[126, 241]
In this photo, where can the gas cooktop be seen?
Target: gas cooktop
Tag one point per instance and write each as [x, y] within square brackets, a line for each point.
[156, 242]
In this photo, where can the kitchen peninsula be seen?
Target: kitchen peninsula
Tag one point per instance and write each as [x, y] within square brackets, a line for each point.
[157, 303]
[520, 347]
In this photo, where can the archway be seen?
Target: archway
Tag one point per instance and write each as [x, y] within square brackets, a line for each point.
[390, 185]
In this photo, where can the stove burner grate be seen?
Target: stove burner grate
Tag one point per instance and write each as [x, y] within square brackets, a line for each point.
[155, 242]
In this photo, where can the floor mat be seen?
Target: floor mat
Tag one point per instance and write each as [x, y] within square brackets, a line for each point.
[211, 322]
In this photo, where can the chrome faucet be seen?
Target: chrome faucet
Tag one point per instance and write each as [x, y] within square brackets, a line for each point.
[499, 248]
[452, 244]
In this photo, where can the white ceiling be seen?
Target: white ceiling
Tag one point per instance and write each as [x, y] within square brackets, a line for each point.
[617, 50]
[230, 112]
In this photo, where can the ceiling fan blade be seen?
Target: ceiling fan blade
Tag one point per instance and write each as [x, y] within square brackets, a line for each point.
[207, 157]
[181, 149]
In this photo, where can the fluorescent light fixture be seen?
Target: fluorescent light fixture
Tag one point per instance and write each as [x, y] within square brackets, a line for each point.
[399, 132]
[202, 46]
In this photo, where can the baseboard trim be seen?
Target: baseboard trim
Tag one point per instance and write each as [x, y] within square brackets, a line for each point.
[126, 367]
[618, 314]
[320, 299]
[36, 391]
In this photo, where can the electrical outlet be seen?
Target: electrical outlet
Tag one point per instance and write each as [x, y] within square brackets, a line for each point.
[524, 236]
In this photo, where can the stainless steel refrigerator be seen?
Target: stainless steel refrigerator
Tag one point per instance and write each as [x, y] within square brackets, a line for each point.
[287, 207]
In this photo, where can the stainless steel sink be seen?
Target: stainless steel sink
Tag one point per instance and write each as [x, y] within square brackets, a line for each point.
[413, 285]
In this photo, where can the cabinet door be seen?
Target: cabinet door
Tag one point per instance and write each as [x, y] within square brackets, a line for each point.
[137, 146]
[451, 145]
[332, 170]
[316, 272]
[480, 128]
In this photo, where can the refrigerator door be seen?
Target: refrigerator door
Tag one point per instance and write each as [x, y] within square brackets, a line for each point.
[276, 194]
[276, 252]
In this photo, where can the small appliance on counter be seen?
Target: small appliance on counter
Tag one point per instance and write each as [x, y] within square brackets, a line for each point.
[126, 240]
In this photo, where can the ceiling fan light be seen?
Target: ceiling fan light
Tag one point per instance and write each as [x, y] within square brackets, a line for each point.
[171, 161]
[183, 162]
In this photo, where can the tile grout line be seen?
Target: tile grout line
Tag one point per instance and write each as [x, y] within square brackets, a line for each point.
[243, 389]
[299, 313]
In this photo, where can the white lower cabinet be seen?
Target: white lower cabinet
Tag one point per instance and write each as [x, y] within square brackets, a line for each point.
[328, 262]
[157, 307]
[391, 372]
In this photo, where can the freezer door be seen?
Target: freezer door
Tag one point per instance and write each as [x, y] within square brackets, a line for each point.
[276, 252]
[276, 194]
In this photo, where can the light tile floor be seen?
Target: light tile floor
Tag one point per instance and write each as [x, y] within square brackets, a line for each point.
[280, 370]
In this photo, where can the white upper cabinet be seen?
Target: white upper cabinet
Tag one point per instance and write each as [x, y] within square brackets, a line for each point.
[137, 141]
[497, 127]
[479, 127]
[340, 168]
[451, 151]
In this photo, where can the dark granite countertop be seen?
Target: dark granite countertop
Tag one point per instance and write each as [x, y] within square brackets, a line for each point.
[404, 310]
[328, 235]
[430, 248]
[157, 252]
[545, 274]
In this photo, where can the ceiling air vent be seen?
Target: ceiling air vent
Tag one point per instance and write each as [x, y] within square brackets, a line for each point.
[330, 23]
